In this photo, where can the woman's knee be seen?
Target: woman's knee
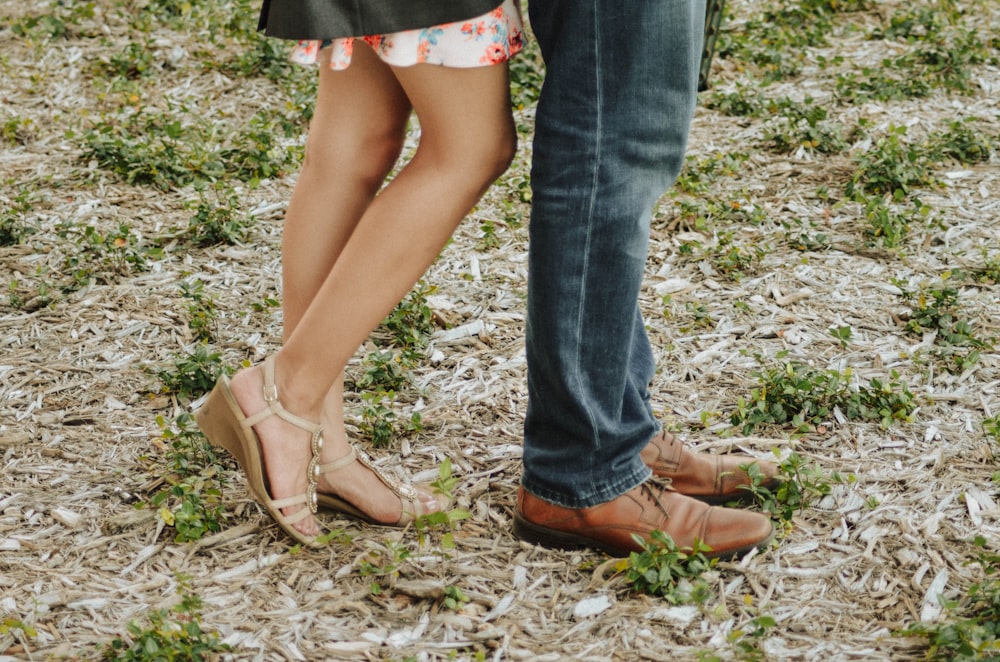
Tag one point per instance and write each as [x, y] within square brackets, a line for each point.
[478, 159]
[506, 149]
[365, 157]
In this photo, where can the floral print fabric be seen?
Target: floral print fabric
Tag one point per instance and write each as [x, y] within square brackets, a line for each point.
[489, 39]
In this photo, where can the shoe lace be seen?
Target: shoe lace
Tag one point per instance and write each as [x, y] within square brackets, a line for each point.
[654, 487]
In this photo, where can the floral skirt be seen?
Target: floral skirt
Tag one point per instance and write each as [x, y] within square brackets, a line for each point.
[489, 39]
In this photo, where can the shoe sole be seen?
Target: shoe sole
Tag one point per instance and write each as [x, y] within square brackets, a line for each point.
[554, 539]
[217, 420]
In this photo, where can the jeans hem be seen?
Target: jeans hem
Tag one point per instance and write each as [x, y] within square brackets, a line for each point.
[579, 500]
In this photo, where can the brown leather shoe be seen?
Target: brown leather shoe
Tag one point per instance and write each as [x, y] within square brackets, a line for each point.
[715, 479]
[646, 508]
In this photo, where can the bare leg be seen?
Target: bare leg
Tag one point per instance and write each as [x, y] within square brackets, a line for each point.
[467, 140]
[355, 138]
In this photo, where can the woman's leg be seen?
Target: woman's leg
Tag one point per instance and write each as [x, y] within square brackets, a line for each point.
[467, 140]
[355, 137]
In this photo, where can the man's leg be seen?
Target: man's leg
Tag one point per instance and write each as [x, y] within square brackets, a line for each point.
[611, 131]
[610, 135]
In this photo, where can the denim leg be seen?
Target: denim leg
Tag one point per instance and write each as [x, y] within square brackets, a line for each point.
[611, 129]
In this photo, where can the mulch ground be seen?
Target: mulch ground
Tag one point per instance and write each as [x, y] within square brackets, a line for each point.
[80, 445]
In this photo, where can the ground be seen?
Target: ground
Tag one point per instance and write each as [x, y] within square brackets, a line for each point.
[837, 223]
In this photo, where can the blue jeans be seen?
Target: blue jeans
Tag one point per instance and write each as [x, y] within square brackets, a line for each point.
[610, 134]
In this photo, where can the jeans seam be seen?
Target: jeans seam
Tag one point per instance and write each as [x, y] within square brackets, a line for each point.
[592, 203]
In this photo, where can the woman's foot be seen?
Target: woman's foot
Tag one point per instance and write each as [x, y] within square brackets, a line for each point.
[357, 484]
[286, 451]
[285, 447]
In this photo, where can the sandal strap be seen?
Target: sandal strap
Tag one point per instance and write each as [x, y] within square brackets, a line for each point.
[343, 461]
[275, 408]
[406, 493]
[298, 515]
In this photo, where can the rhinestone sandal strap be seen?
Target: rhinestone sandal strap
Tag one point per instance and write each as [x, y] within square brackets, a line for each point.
[404, 492]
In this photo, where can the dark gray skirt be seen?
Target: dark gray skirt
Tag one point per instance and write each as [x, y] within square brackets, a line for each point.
[329, 19]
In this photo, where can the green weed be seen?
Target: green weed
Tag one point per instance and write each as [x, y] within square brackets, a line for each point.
[14, 227]
[151, 149]
[802, 235]
[735, 260]
[192, 503]
[801, 483]
[193, 374]
[410, 325]
[527, 71]
[991, 426]
[836, 6]
[803, 125]
[963, 142]
[842, 334]
[32, 295]
[917, 22]
[383, 563]
[454, 599]
[889, 224]
[11, 625]
[744, 102]
[103, 256]
[177, 148]
[664, 570]
[171, 8]
[803, 397]
[201, 310]
[941, 56]
[989, 272]
[266, 304]
[442, 523]
[877, 84]
[216, 19]
[224, 223]
[973, 631]
[748, 641]
[946, 62]
[936, 308]
[135, 60]
[171, 634]
[60, 20]
[696, 315]
[258, 154]
[891, 167]
[262, 56]
[380, 423]
[699, 174]
[704, 214]
[17, 130]
[383, 371]
[776, 40]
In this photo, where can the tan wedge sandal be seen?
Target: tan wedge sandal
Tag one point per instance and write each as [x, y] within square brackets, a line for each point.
[224, 424]
[413, 507]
